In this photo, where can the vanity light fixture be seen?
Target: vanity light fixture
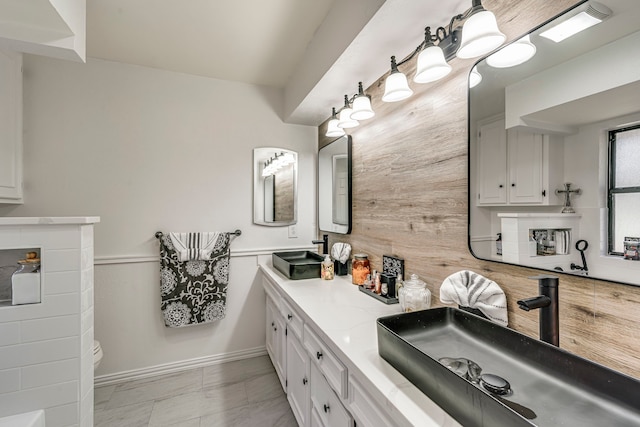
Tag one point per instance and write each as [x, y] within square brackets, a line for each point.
[593, 14]
[475, 77]
[333, 131]
[274, 164]
[478, 35]
[513, 54]
[345, 120]
[396, 87]
[361, 105]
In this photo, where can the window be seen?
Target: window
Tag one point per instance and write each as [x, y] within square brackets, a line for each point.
[624, 187]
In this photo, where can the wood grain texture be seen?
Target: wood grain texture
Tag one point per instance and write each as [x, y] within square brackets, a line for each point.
[410, 200]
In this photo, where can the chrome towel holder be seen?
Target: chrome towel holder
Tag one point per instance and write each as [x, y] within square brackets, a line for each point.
[238, 232]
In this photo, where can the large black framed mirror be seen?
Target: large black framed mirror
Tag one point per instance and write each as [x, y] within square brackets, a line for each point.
[334, 186]
[536, 126]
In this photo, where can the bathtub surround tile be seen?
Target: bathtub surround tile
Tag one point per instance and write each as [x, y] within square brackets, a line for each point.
[9, 333]
[9, 380]
[49, 328]
[61, 260]
[236, 371]
[60, 282]
[49, 373]
[136, 415]
[156, 388]
[38, 352]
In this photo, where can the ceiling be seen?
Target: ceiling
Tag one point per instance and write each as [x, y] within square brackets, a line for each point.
[315, 51]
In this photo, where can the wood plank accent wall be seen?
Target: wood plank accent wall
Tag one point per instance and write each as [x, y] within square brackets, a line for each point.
[410, 199]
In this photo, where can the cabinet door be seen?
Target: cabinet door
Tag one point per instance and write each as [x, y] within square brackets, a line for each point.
[10, 127]
[525, 167]
[492, 164]
[275, 341]
[298, 376]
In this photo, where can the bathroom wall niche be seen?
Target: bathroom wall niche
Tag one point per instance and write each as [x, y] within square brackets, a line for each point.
[19, 276]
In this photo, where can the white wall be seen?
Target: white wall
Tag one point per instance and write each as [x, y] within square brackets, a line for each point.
[150, 150]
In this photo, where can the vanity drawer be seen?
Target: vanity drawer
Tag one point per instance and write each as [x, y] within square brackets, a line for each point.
[325, 402]
[293, 319]
[334, 371]
[364, 408]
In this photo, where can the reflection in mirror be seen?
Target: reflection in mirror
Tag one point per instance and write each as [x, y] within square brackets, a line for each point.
[549, 121]
[275, 176]
[334, 186]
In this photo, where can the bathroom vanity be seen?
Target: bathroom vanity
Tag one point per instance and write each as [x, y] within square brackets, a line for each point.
[321, 337]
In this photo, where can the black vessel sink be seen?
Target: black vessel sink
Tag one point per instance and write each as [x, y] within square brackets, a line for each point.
[548, 386]
[297, 264]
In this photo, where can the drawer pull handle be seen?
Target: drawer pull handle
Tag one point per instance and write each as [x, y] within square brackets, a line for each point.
[318, 355]
[289, 316]
[326, 408]
[304, 381]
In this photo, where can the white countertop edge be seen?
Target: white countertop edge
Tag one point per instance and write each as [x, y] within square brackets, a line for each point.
[401, 399]
[48, 220]
[537, 215]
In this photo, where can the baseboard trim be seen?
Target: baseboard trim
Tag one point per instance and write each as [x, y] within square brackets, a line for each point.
[184, 365]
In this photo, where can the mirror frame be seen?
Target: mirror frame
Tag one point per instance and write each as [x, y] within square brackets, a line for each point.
[336, 228]
[471, 168]
[258, 188]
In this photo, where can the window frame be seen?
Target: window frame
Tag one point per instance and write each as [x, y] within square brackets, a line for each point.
[612, 190]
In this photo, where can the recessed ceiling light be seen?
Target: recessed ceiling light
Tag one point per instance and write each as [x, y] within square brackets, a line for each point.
[594, 14]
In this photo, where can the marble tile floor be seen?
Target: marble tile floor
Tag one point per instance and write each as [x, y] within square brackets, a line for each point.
[242, 393]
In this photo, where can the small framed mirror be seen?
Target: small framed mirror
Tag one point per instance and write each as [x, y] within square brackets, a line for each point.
[334, 186]
[275, 186]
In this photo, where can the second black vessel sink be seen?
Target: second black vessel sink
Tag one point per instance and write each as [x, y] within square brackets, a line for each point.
[484, 374]
[297, 264]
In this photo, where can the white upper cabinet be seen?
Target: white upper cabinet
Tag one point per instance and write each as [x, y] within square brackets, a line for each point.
[55, 28]
[517, 167]
[10, 127]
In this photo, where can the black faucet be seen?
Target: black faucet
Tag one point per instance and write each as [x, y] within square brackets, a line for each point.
[547, 302]
[324, 242]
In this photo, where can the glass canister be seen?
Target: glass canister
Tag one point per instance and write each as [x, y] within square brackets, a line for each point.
[414, 295]
[360, 268]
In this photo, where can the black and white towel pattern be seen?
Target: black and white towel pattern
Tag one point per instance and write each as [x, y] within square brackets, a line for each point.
[193, 291]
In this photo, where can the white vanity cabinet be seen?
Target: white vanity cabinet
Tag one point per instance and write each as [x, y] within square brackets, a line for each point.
[517, 167]
[298, 380]
[10, 127]
[276, 340]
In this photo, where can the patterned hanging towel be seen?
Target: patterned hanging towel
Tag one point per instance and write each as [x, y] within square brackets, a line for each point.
[194, 291]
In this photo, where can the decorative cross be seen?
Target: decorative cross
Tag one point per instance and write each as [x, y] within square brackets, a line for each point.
[567, 197]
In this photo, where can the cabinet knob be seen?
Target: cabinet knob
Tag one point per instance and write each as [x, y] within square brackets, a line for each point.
[318, 355]
[513, 185]
[304, 381]
[544, 193]
[326, 408]
[273, 324]
[275, 329]
[289, 316]
[500, 186]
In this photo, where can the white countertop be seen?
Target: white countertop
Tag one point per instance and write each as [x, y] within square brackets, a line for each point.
[346, 320]
[48, 220]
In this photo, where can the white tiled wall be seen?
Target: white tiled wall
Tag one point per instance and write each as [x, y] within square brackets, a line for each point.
[46, 349]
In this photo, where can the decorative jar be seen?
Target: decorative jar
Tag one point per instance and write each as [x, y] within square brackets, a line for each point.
[360, 268]
[414, 295]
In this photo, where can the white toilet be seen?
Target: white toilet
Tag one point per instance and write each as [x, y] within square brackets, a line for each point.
[97, 354]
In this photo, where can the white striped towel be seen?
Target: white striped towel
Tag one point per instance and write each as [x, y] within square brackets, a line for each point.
[194, 246]
[469, 289]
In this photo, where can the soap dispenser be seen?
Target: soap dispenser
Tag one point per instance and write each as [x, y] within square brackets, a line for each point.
[327, 272]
